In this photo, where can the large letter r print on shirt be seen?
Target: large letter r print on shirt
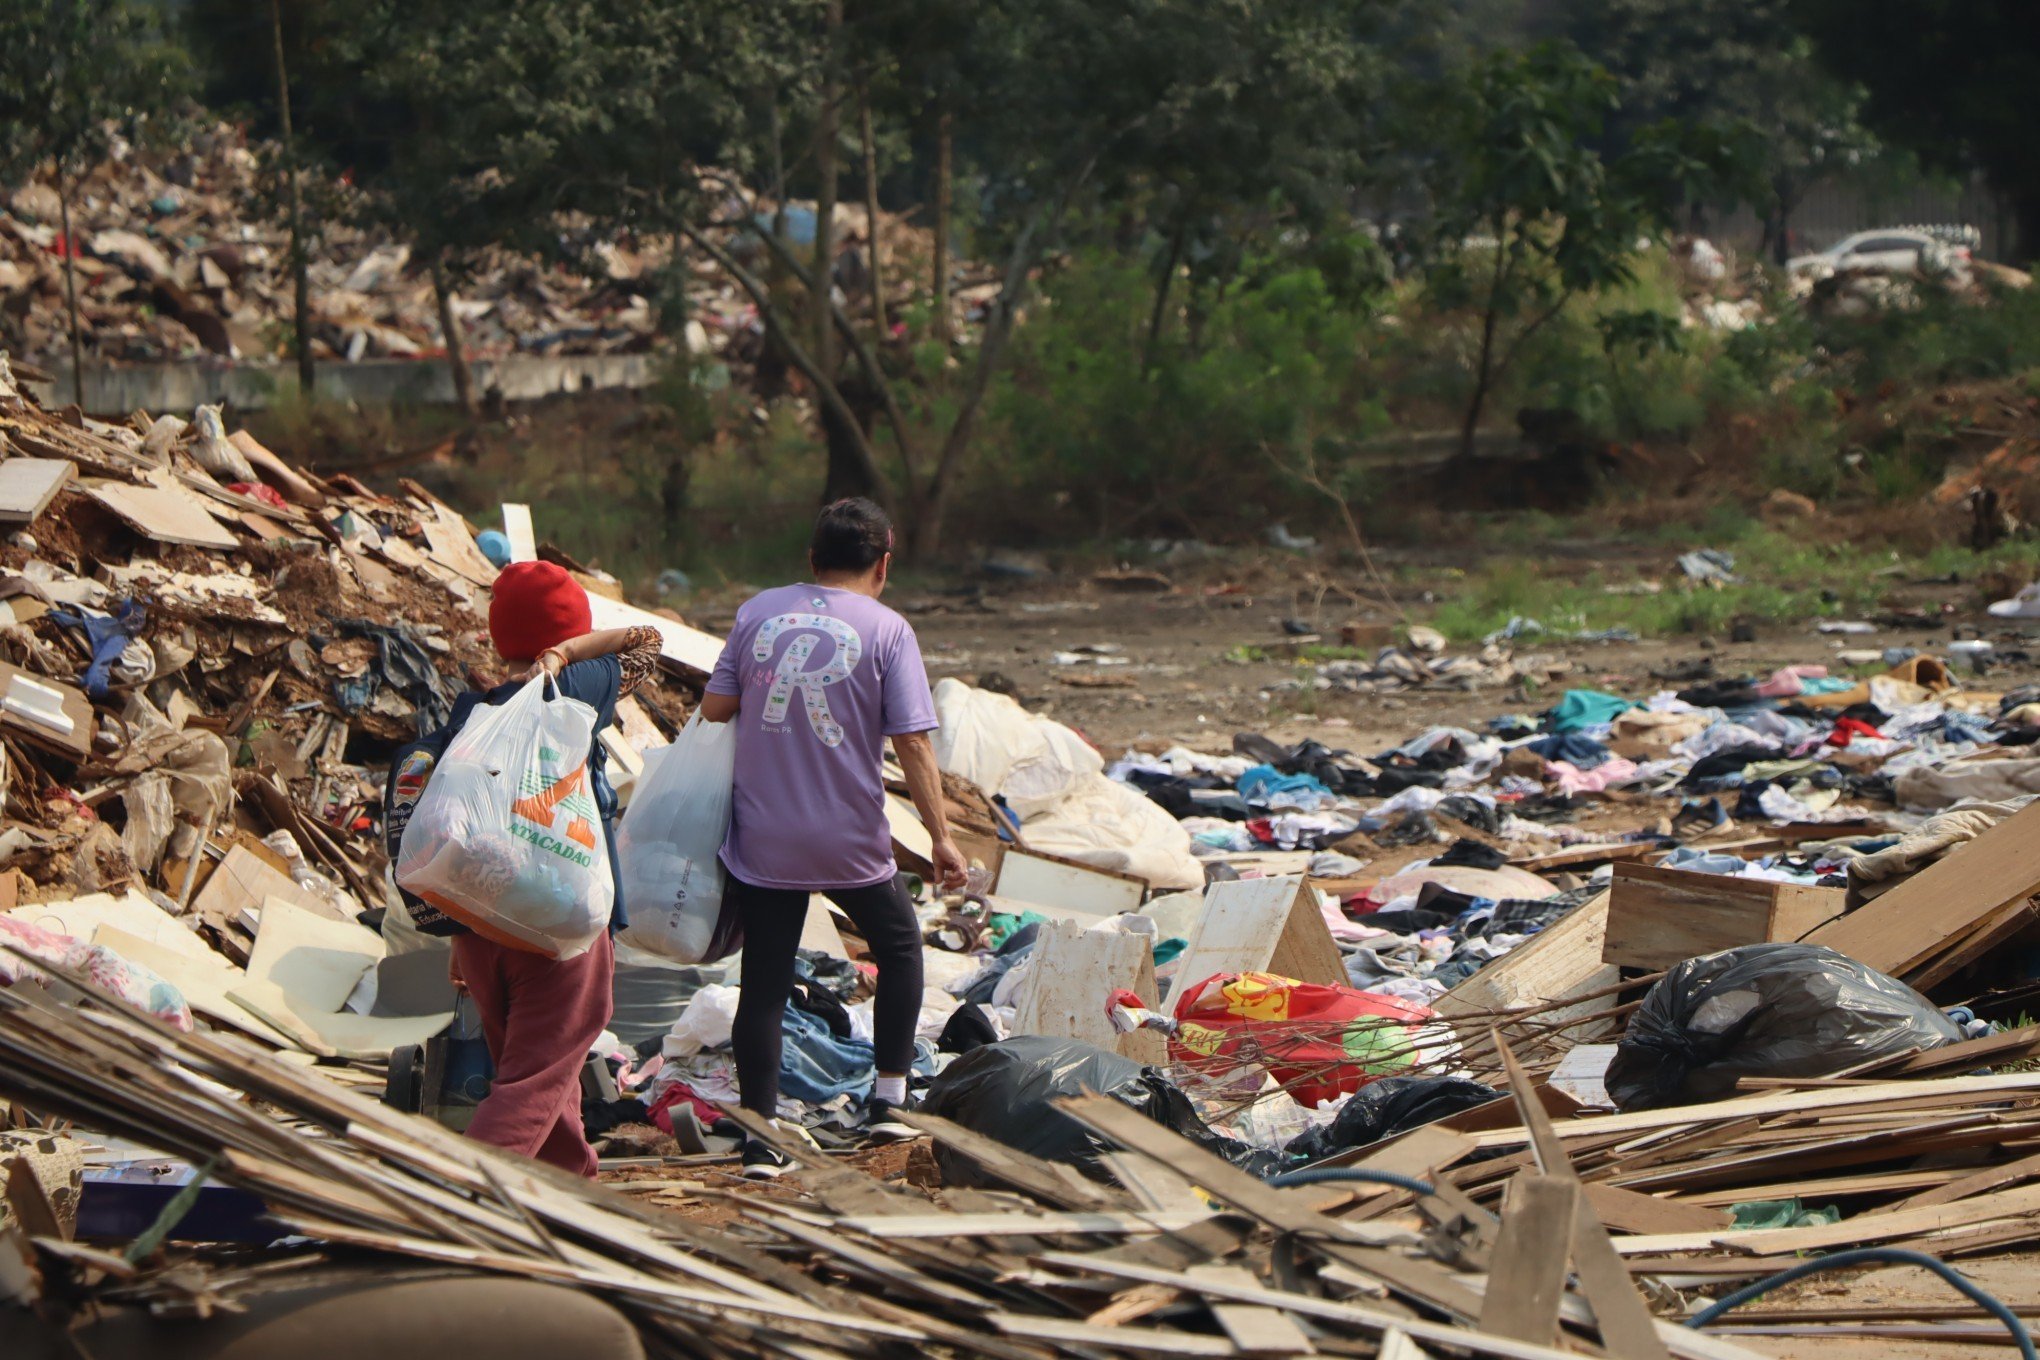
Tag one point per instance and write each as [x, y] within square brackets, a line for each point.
[792, 673]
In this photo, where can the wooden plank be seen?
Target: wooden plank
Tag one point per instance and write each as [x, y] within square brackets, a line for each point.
[1081, 1334]
[1059, 887]
[1527, 1278]
[243, 880]
[1886, 1096]
[1912, 922]
[1072, 974]
[28, 485]
[1630, 1212]
[1561, 961]
[163, 515]
[517, 528]
[1260, 925]
[1981, 1183]
[1862, 1230]
[25, 703]
[1020, 1225]
[1255, 1328]
[1658, 918]
[1627, 1328]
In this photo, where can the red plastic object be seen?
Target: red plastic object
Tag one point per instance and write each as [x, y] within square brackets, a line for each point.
[1319, 1042]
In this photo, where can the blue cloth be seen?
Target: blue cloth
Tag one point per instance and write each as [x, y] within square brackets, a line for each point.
[107, 636]
[1581, 752]
[1263, 782]
[1578, 708]
[1702, 862]
[816, 1066]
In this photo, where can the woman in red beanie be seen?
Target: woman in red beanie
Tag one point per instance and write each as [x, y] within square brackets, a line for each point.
[539, 1015]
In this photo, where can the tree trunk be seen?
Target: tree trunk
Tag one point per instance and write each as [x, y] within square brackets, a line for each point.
[71, 291]
[673, 484]
[945, 186]
[449, 331]
[848, 474]
[300, 266]
[1162, 285]
[1482, 377]
[778, 172]
[826, 138]
[871, 260]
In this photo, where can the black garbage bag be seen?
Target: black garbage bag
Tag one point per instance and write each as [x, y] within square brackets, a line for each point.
[1008, 1091]
[1765, 1010]
[1382, 1109]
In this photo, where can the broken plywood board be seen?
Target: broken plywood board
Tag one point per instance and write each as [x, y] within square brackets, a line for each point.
[1073, 972]
[910, 837]
[1562, 960]
[1261, 925]
[1905, 928]
[28, 485]
[205, 979]
[245, 880]
[222, 595]
[1658, 918]
[517, 529]
[304, 968]
[819, 930]
[132, 914]
[689, 649]
[1061, 888]
[163, 515]
[448, 540]
[47, 712]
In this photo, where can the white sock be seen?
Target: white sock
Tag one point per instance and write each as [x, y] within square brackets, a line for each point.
[892, 1090]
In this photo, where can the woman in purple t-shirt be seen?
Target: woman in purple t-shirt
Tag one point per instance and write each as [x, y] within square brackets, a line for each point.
[817, 677]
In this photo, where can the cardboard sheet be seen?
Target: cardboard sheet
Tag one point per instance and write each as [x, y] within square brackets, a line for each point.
[302, 971]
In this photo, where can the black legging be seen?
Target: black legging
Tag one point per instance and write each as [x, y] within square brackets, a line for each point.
[773, 919]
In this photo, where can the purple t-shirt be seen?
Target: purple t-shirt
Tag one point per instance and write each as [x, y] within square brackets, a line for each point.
[823, 677]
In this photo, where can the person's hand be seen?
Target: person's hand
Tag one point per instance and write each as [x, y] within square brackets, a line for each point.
[453, 973]
[950, 865]
[550, 663]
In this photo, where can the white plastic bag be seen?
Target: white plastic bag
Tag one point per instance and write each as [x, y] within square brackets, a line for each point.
[506, 838]
[668, 843]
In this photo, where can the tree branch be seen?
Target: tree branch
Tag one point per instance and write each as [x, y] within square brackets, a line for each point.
[825, 389]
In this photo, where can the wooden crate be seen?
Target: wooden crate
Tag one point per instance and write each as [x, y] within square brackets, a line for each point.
[1661, 917]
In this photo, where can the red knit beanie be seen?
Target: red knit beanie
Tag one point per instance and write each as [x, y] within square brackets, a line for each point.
[536, 605]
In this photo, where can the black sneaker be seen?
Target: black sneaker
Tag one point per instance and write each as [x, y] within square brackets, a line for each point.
[763, 1162]
[881, 1125]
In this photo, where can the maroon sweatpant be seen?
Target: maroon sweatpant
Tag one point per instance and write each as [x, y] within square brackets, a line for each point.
[539, 1016]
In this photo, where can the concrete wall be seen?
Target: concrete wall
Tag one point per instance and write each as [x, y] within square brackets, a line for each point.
[115, 390]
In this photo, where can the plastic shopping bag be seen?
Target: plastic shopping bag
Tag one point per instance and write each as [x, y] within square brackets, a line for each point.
[668, 844]
[506, 838]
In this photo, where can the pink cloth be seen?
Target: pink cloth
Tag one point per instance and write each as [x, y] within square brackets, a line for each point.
[680, 1093]
[1789, 681]
[1607, 775]
[98, 965]
[539, 1017]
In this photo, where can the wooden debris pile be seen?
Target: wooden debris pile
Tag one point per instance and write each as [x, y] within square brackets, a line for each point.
[207, 658]
[1055, 1266]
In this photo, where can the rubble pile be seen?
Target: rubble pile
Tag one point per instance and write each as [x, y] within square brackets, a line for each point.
[1277, 1050]
[174, 262]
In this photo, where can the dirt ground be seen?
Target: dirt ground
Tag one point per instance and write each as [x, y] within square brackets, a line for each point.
[1186, 679]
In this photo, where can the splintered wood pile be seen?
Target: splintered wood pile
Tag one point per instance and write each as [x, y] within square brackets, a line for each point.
[1530, 1244]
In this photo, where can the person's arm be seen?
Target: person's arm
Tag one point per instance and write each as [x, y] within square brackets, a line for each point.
[924, 785]
[638, 647]
[717, 708]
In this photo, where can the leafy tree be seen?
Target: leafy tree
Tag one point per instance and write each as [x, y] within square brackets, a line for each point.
[1951, 79]
[1529, 214]
[70, 70]
[1728, 63]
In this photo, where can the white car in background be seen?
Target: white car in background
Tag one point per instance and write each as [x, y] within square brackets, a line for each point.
[1891, 251]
